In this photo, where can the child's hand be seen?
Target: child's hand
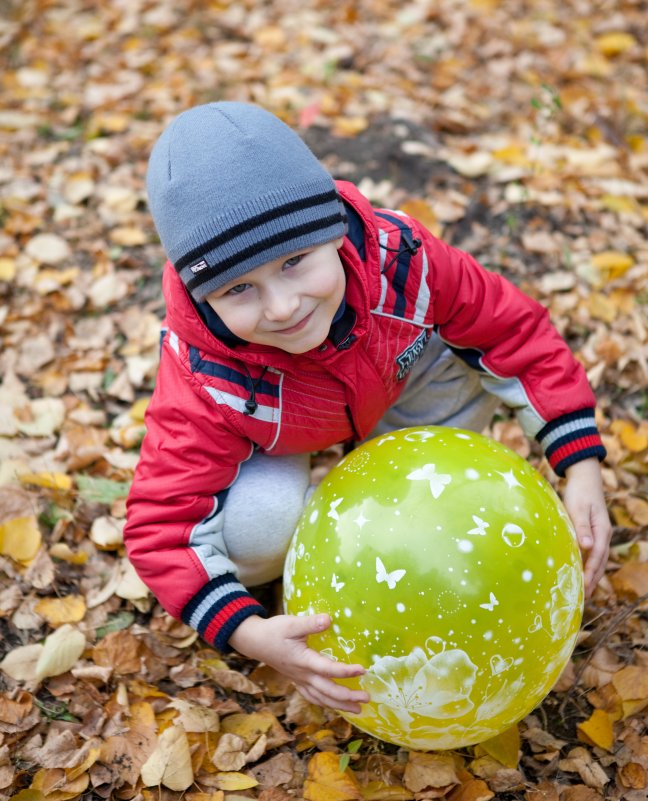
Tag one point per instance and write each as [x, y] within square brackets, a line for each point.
[585, 504]
[280, 642]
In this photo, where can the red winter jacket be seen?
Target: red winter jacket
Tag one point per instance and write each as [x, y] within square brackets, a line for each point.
[198, 434]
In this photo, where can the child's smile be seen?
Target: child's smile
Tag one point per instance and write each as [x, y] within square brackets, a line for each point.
[288, 303]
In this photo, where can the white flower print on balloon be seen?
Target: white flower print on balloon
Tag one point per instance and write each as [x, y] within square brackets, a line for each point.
[565, 600]
[438, 481]
[416, 684]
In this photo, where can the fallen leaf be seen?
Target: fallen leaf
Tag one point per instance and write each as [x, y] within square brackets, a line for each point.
[48, 249]
[230, 753]
[57, 481]
[326, 782]
[107, 533]
[20, 538]
[598, 730]
[614, 43]
[611, 264]
[20, 663]
[60, 652]
[429, 771]
[120, 650]
[234, 781]
[170, 762]
[505, 747]
[57, 611]
[472, 790]
[630, 581]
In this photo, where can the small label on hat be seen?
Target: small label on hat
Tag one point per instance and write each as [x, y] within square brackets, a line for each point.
[198, 266]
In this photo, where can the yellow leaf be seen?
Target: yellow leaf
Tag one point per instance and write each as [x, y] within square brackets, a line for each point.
[423, 212]
[326, 782]
[600, 307]
[597, 730]
[234, 781]
[91, 757]
[638, 509]
[60, 652]
[620, 204]
[57, 611]
[631, 437]
[128, 236]
[137, 410]
[7, 269]
[631, 683]
[513, 154]
[505, 747]
[170, 763]
[54, 784]
[612, 44]
[58, 481]
[62, 551]
[350, 126]
[28, 795]
[612, 264]
[20, 538]
[379, 791]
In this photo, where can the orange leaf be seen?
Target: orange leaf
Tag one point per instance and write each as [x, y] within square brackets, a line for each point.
[633, 776]
[631, 580]
[597, 730]
[422, 211]
[472, 790]
[326, 782]
[631, 683]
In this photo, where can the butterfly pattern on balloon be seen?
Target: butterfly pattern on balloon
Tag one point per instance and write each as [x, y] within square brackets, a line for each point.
[370, 587]
[390, 579]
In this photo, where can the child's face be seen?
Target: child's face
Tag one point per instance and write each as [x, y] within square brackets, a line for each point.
[288, 303]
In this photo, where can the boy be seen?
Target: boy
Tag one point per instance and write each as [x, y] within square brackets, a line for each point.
[299, 317]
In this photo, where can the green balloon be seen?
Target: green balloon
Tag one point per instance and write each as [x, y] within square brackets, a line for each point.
[451, 571]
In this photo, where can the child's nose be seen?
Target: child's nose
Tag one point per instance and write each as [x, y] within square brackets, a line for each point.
[280, 305]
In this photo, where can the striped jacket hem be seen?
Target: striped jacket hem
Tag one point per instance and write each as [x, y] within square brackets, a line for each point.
[217, 610]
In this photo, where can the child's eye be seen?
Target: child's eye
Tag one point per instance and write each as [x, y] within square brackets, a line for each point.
[293, 260]
[236, 290]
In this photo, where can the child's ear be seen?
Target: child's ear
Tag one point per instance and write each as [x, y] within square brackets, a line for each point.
[338, 242]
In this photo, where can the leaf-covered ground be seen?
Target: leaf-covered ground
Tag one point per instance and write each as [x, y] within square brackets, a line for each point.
[516, 130]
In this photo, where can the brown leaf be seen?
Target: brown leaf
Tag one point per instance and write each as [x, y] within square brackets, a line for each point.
[631, 580]
[120, 650]
[278, 770]
[429, 770]
[580, 792]
[544, 791]
[18, 715]
[233, 680]
[230, 753]
[633, 776]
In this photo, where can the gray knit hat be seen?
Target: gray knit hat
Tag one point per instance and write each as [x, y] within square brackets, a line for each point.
[232, 187]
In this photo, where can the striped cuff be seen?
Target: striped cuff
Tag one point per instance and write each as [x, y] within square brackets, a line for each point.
[570, 439]
[216, 611]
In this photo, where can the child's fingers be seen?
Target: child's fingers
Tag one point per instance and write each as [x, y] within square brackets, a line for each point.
[302, 626]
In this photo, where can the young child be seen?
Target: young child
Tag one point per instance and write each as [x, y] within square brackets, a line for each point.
[298, 317]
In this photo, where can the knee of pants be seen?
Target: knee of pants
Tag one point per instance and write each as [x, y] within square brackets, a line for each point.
[261, 513]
